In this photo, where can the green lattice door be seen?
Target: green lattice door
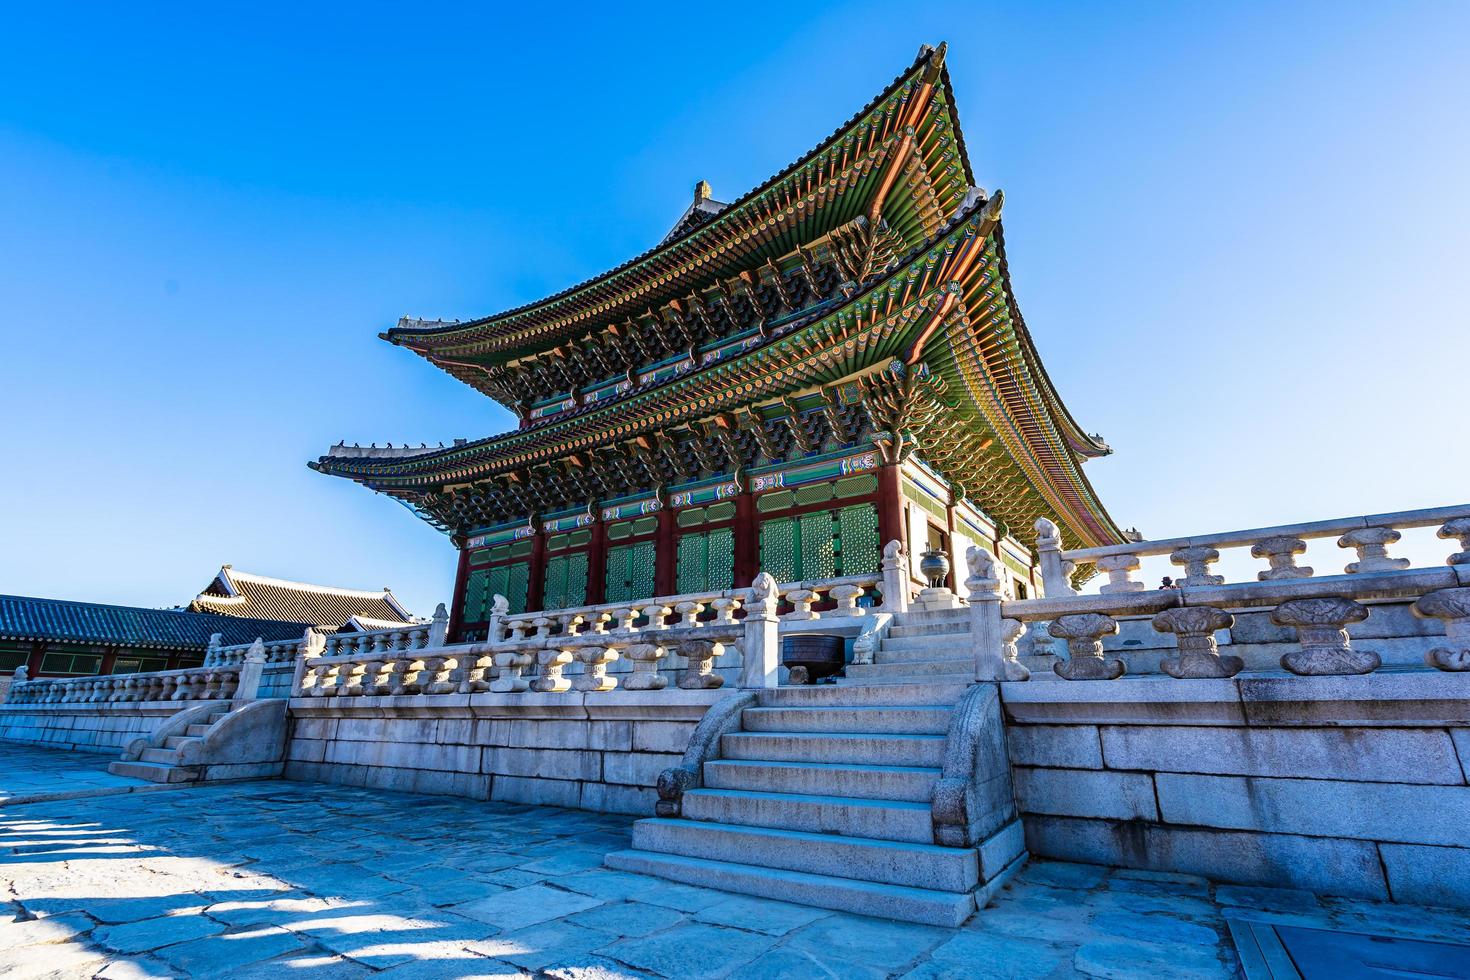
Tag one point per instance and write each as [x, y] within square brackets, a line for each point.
[820, 544]
[485, 584]
[630, 569]
[706, 561]
[566, 581]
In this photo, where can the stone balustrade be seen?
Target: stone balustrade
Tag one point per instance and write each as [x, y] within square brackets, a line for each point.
[1317, 608]
[402, 639]
[191, 684]
[531, 652]
[277, 652]
[1369, 538]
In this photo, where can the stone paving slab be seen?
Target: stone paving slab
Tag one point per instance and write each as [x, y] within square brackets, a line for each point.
[254, 880]
[35, 775]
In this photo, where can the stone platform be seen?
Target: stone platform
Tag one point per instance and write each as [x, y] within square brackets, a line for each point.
[255, 879]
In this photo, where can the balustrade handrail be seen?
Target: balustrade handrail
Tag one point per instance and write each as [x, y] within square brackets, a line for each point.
[706, 597]
[276, 652]
[595, 636]
[1424, 517]
[188, 683]
[1400, 584]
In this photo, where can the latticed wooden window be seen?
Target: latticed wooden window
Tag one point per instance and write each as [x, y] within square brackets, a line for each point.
[858, 529]
[566, 581]
[630, 570]
[821, 544]
[71, 660]
[778, 549]
[706, 561]
[474, 596]
[13, 655]
[510, 576]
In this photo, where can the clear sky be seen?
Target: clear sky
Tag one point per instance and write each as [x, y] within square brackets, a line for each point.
[1239, 233]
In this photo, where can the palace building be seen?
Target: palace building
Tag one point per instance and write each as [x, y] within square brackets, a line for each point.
[833, 361]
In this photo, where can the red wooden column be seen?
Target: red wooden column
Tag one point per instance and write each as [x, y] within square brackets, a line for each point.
[33, 662]
[890, 507]
[461, 579]
[666, 558]
[747, 554]
[536, 580]
[597, 563]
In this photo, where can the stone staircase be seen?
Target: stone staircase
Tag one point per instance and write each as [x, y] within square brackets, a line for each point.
[920, 648]
[215, 741]
[162, 765]
[823, 795]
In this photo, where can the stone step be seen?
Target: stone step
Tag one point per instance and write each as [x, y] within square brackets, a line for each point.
[831, 695]
[176, 741]
[932, 647]
[164, 757]
[863, 748]
[918, 629]
[952, 869]
[823, 891]
[912, 783]
[931, 655]
[196, 731]
[154, 772]
[939, 617]
[911, 670]
[909, 719]
[900, 820]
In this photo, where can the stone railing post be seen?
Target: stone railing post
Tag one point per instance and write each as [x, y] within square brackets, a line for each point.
[1012, 630]
[1120, 569]
[1371, 544]
[499, 609]
[1083, 633]
[550, 664]
[311, 644]
[987, 639]
[1452, 606]
[211, 652]
[1199, 654]
[594, 658]
[801, 604]
[762, 647]
[895, 567]
[725, 607]
[645, 676]
[846, 597]
[1321, 628]
[250, 671]
[698, 674]
[1049, 556]
[1281, 552]
[438, 628]
[1196, 563]
[1457, 529]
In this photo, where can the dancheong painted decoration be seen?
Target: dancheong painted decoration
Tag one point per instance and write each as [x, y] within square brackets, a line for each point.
[833, 361]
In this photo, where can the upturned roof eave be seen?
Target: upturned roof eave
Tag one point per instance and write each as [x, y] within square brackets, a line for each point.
[405, 337]
[362, 466]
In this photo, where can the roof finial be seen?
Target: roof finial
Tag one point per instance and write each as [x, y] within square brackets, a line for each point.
[702, 191]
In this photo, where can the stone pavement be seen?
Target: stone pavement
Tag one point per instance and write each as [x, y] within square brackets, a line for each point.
[255, 879]
[31, 774]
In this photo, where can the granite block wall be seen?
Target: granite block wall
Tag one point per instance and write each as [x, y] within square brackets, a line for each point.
[589, 751]
[1356, 786]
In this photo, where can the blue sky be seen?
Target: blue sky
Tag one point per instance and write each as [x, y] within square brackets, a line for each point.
[1238, 232]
